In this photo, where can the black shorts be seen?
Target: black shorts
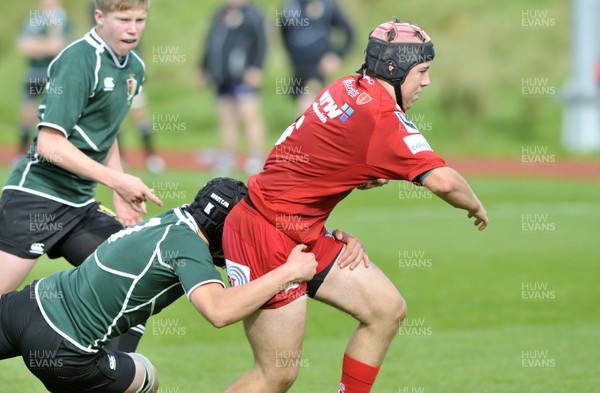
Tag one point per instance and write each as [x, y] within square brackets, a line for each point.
[237, 91]
[303, 74]
[56, 362]
[31, 226]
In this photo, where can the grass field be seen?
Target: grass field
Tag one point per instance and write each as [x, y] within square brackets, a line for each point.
[510, 309]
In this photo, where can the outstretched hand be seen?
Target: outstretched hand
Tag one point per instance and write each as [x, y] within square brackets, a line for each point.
[481, 218]
[134, 192]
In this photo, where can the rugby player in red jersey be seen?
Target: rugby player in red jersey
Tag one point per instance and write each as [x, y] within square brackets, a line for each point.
[355, 135]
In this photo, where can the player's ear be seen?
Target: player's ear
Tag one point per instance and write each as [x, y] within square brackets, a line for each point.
[98, 17]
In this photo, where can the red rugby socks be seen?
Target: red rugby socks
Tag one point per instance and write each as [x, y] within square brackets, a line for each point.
[357, 377]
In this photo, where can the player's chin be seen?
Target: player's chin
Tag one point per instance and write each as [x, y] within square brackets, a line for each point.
[411, 102]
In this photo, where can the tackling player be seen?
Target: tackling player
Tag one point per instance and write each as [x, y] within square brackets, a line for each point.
[68, 317]
[355, 135]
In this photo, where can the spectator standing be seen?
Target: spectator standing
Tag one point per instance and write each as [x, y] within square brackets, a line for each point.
[308, 27]
[233, 61]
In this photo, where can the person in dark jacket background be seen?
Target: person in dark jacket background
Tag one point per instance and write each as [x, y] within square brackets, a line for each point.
[308, 27]
[232, 61]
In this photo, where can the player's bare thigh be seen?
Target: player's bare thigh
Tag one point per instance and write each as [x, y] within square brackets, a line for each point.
[276, 337]
[13, 270]
[273, 330]
[365, 292]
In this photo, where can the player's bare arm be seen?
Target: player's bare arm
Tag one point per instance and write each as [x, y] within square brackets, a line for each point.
[39, 46]
[224, 306]
[55, 148]
[450, 186]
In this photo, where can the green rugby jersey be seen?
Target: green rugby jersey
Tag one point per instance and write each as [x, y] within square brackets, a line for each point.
[132, 275]
[88, 94]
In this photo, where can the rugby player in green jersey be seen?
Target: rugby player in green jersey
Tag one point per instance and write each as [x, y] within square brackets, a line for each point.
[61, 324]
[47, 205]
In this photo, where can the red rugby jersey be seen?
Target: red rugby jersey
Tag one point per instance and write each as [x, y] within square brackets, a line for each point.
[354, 132]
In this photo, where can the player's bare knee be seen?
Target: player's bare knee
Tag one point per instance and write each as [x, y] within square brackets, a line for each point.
[283, 375]
[396, 310]
[286, 380]
[388, 312]
[402, 311]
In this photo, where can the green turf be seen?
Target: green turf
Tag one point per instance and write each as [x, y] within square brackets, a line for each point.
[473, 324]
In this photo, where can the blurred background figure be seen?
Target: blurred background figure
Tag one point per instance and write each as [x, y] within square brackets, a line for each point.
[139, 113]
[309, 28]
[44, 34]
[141, 118]
[232, 61]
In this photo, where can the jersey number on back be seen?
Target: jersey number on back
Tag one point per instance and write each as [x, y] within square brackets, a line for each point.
[288, 131]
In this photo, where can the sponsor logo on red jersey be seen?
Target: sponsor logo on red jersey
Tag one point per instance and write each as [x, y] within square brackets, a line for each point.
[349, 85]
[408, 124]
[327, 106]
[417, 143]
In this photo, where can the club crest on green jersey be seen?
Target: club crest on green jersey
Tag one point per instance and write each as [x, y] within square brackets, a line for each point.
[131, 87]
